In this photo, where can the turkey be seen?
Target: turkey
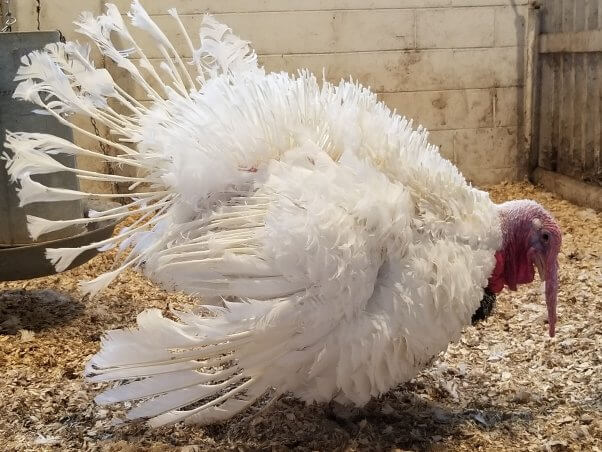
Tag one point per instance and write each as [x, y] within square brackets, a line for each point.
[335, 251]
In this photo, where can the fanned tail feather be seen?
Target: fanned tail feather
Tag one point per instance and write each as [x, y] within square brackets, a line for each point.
[62, 80]
[178, 373]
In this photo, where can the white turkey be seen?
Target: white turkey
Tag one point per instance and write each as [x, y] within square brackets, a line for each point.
[337, 250]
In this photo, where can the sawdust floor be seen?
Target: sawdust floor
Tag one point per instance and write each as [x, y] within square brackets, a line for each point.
[505, 386]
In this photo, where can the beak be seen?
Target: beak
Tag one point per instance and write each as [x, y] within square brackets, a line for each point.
[548, 273]
[541, 267]
[550, 269]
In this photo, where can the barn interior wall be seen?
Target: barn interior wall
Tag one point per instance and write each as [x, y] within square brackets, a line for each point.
[454, 66]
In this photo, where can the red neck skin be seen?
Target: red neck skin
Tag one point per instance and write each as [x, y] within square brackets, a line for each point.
[496, 280]
[513, 262]
[509, 274]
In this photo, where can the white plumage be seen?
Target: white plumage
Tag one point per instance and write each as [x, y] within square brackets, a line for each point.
[350, 252]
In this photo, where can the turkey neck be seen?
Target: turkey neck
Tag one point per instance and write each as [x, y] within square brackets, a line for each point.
[512, 263]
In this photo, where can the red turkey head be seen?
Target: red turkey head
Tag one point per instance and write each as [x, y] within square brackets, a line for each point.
[531, 239]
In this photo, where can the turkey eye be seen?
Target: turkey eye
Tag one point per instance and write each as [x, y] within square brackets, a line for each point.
[545, 236]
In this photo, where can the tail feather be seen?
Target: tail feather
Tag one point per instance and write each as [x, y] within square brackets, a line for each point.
[62, 80]
[140, 371]
[216, 413]
[159, 341]
[177, 365]
[178, 398]
[160, 384]
[228, 403]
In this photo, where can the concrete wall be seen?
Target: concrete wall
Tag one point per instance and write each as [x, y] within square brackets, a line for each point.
[455, 66]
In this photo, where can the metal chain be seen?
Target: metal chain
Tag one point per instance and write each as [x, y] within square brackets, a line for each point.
[7, 17]
[105, 151]
[8, 23]
[103, 147]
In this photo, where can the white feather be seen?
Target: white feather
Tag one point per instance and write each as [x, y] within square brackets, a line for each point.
[62, 258]
[154, 385]
[38, 226]
[141, 19]
[32, 191]
[221, 51]
[99, 283]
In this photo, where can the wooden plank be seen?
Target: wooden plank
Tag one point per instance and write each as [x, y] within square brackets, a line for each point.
[532, 81]
[549, 15]
[557, 97]
[579, 98]
[598, 127]
[578, 192]
[566, 88]
[571, 42]
[555, 62]
[597, 154]
[579, 19]
[546, 155]
[592, 112]
[551, 22]
[592, 8]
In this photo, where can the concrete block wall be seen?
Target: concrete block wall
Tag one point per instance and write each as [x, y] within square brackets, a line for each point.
[454, 66]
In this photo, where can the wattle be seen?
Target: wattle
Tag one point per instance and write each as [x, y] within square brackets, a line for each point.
[497, 280]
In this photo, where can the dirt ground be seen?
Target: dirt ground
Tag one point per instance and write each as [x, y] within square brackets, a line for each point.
[504, 386]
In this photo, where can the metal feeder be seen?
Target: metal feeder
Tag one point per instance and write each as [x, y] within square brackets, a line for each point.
[20, 256]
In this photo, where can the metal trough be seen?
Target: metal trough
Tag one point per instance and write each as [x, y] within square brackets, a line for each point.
[29, 261]
[20, 256]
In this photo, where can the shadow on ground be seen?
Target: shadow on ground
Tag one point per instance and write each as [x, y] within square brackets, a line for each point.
[399, 419]
[36, 310]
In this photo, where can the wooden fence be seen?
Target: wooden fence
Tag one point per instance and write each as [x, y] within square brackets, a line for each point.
[563, 90]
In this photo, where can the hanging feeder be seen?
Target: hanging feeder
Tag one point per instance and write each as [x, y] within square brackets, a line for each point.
[20, 256]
